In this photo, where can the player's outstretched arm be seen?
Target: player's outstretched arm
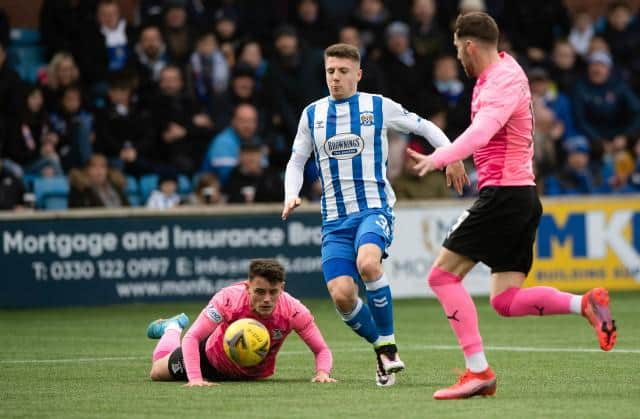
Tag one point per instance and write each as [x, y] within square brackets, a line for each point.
[457, 176]
[199, 331]
[308, 331]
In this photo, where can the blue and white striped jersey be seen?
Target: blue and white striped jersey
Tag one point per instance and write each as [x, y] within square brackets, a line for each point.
[349, 141]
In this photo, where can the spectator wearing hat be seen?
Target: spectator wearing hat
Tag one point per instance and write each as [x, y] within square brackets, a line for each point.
[224, 150]
[579, 175]
[405, 71]
[166, 195]
[227, 31]
[604, 105]
[250, 181]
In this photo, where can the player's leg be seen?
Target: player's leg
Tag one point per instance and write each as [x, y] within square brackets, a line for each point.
[344, 293]
[372, 239]
[169, 332]
[509, 299]
[445, 280]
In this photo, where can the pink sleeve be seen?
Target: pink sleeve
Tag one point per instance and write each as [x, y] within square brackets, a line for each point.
[477, 135]
[208, 320]
[497, 102]
[313, 338]
[199, 331]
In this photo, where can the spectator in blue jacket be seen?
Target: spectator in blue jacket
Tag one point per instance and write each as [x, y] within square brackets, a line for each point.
[605, 106]
[224, 149]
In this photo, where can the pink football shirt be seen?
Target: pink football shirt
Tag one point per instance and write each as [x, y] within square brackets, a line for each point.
[501, 112]
[232, 303]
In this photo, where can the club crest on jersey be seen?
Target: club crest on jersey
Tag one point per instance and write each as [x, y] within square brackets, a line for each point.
[366, 118]
[276, 334]
[344, 146]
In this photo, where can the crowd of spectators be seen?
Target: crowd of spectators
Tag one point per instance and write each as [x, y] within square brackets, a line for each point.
[213, 90]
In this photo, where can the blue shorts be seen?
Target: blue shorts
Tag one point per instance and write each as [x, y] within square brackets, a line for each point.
[342, 238]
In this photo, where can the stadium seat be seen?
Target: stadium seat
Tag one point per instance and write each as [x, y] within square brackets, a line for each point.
[133, 191]
[24, 36]
[184, 186]
[51, 192]
[147, 184]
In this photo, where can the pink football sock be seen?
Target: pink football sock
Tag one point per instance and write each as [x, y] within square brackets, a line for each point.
[535, 301]
[169, 341]
[459, 309]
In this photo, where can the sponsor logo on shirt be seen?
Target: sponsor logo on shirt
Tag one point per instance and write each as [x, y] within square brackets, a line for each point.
[344, 146]
[213, 313]
[319, 124]
[366, 118]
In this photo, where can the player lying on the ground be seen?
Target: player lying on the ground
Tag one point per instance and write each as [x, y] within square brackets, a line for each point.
[201, 360]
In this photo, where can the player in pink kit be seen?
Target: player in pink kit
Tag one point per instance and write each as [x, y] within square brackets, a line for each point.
[500, 228]
[201, 359]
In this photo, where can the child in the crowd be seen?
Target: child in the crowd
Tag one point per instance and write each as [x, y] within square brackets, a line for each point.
[166, 196]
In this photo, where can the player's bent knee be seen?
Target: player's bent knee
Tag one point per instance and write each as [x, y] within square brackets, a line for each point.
[369, 268]
[501, 303]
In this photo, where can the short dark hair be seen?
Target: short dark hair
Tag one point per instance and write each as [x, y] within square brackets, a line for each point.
[343, 51]
[269, 269]
[477, 25]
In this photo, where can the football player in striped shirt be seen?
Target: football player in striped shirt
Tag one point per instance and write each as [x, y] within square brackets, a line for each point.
[347, 133]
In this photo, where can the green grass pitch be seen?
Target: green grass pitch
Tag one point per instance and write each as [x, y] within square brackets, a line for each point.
[93, 363]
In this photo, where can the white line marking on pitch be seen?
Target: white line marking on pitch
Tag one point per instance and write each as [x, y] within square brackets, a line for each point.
[404, 347]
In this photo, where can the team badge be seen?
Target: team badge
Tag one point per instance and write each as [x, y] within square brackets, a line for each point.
[276, 334]
[366, 118]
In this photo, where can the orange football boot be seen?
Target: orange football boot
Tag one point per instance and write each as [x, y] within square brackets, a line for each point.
[595, 307]
[469, 384]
